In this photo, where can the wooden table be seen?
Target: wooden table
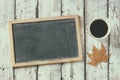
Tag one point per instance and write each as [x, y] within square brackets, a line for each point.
[88, 10]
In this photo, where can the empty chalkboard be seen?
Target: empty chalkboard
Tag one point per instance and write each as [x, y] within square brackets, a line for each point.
[45, 41]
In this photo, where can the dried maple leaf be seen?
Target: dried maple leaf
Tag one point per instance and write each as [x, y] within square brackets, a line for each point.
[98, 55]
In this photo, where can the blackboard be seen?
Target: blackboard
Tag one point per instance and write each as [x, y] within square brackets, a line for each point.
[45, 41]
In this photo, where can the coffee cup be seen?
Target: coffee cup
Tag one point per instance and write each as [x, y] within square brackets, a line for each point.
[99, 28]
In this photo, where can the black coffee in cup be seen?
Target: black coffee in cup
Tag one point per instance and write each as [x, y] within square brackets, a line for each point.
[99, 28]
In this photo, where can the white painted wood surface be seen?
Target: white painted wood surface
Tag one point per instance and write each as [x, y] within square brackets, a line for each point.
[114, 63]
[89, 10]
[95, 9]
[49, 8]
[74, 71]
[6, 71]
[25, 9]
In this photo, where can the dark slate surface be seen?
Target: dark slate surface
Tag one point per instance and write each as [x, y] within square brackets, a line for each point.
[45, 40]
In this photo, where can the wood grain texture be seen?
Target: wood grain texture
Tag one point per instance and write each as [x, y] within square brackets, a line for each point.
[74, 71]
[49, 8]
[6, 70]
[95, 9]
[25, 9]
[114, 63]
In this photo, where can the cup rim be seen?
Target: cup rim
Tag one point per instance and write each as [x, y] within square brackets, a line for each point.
[107, 22]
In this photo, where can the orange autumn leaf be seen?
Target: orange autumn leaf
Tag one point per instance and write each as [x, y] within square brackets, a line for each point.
[98, 55]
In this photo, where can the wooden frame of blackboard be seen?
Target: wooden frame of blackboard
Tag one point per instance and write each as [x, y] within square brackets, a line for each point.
[33, 63]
